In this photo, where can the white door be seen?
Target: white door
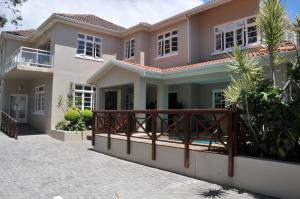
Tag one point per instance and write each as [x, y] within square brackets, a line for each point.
[18, 107]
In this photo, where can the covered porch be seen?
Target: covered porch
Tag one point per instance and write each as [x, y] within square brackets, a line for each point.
[27, 100]
[181, 108]
[123, 86]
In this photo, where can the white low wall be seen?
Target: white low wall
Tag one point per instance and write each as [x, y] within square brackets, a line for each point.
[68, 136]
[271, 178]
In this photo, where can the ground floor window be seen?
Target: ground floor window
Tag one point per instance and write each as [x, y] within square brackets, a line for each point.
[39, 99]
[218, 99]
[85, 97]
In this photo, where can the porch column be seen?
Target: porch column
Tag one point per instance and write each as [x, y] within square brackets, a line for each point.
[140, 87]
[100, 99]
[162, 96]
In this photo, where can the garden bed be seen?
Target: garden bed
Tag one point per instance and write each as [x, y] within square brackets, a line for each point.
[68, 136]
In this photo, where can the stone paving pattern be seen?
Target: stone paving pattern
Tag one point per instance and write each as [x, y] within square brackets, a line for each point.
[38, 167]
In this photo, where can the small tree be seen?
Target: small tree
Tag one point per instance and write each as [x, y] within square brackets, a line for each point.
[246, 74]
[272, 25]
[70, 96]
[13, 6]
[297, 26]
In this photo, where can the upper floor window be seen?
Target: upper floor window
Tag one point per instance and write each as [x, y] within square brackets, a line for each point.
[241, 33]
[89, 45]
[85, 97]
[129, 48]
[167, 43]
[39, 99]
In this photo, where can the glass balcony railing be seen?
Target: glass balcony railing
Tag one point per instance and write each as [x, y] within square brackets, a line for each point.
[29, 57]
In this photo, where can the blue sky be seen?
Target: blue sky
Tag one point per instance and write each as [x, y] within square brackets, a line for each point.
[35, 12]
[293, 8]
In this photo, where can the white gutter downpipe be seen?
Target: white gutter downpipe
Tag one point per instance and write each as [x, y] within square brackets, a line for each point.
[189, 38]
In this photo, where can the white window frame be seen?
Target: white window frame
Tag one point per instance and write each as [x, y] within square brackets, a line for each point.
[84, 91]
[94, 42]
[129, 48]
[214, 99]
[162, 42]
[235, 26]
[39, 104]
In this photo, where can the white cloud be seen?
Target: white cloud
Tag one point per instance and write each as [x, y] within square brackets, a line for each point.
[122, 12]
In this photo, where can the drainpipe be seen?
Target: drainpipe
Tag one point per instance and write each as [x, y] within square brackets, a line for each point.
[142, 58]
[188, 38]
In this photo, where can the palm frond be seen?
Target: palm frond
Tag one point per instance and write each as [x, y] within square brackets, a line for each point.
[272, 23]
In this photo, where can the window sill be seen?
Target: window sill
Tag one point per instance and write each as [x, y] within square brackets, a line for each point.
[255, 45]
[38, 113]
[89, 58]
[166, 56]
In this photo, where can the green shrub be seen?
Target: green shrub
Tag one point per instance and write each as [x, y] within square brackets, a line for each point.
[72, 115]
[61, 125]
[77, 125]
[87, 116]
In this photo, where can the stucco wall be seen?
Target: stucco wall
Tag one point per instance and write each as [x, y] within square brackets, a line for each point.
[68, 68]
[272, 178]
[181, 58]
[202, 94]
[41, 122]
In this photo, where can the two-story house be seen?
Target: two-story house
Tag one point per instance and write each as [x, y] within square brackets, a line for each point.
[179, 62]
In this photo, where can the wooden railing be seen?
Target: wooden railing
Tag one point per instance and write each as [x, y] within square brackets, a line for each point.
[9, 125]
[217, 128]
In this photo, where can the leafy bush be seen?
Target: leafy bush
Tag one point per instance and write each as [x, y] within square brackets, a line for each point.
[75, 119]
[61, 125]
[77, 125]
[72, 115]
[87, 116]
[270, 115]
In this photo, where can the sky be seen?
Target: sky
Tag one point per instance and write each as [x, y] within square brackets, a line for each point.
[122, 12]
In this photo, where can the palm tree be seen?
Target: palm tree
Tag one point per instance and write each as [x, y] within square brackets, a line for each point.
[272, 24]
[297, 26]
[246, 75]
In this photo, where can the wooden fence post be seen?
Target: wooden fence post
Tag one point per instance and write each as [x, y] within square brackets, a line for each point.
[231, 143]
[109, 131]
[153, 135]
[94, 128]
[187, 140]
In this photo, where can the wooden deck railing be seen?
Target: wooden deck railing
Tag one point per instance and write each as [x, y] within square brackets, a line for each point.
[217, 127]
[9, 125]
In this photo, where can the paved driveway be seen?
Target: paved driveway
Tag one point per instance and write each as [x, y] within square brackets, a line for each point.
[39, 167]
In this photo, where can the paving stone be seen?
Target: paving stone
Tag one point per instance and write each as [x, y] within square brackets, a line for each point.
[38, 167]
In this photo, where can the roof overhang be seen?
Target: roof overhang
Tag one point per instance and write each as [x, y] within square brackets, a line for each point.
[127, 66]
[162, 75]
[195, 70]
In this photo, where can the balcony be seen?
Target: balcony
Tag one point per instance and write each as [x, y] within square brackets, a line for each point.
[28, 61]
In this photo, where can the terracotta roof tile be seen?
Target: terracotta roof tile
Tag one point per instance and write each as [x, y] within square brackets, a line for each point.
[92, 20]
[286, 47]
[21, 33]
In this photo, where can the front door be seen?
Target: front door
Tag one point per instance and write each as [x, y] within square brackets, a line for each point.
[18, 107]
